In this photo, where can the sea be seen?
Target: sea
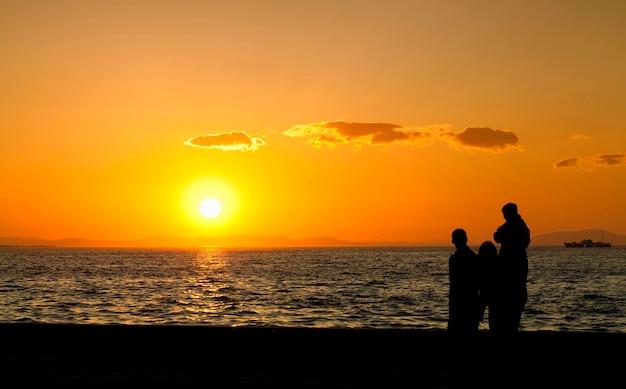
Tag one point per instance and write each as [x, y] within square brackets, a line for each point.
[570, 289]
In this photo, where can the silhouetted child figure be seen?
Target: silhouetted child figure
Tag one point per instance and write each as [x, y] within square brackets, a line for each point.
[510, 294]
[464, 310]
[488, 263]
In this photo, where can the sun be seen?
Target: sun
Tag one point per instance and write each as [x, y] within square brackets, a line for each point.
[210, 202]
[210, 207]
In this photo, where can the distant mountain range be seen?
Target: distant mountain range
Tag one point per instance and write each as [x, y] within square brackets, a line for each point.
[224, 241]
[552, 239]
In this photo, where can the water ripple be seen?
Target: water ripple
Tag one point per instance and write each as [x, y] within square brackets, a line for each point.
[569, 290]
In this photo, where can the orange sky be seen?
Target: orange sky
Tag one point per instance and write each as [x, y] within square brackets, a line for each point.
[386, 120]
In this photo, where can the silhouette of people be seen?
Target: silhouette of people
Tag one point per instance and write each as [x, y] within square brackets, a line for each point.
[464, 309]
[510, 294]
[488, 263]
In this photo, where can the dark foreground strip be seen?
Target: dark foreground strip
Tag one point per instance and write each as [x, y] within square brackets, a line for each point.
[103, 356]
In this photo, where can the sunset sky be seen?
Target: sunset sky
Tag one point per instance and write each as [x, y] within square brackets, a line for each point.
[354, 119]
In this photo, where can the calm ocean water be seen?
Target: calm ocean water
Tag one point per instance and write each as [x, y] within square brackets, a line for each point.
[401, 287]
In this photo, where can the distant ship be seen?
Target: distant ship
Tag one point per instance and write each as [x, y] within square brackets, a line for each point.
[587, 243]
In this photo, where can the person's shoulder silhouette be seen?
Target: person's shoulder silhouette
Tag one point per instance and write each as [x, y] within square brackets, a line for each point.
[514, 234]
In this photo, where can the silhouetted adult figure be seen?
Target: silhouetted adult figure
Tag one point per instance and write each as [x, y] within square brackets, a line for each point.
[488, 265]
[464, 299]
[510, 294]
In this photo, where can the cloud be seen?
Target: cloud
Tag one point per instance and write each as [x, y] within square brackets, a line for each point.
[567, 162]
[483, 138]
[335, 133]
[610, 159]
[234, 140]
[589, 163]
[580, 137]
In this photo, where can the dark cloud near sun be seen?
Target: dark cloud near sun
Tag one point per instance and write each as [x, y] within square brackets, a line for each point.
[589, 163]
[335, 133]
[234, 140]
[332, 134]
[483, 138]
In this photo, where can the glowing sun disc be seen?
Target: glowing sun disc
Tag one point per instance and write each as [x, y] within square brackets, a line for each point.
[210, 207]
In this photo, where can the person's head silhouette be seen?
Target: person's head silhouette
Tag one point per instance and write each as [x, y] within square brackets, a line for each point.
[488, 249]
[459, 237]
[509, 210]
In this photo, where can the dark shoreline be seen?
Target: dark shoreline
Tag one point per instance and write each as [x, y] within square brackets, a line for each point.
[99, 356]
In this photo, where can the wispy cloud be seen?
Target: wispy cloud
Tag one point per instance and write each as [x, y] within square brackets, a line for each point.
[610, 159]
[234, 140]
[580, 137]
[335, 133]
[589, 163]
[568, 162]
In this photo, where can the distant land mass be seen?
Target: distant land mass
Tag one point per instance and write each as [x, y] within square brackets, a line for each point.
[242, 241]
